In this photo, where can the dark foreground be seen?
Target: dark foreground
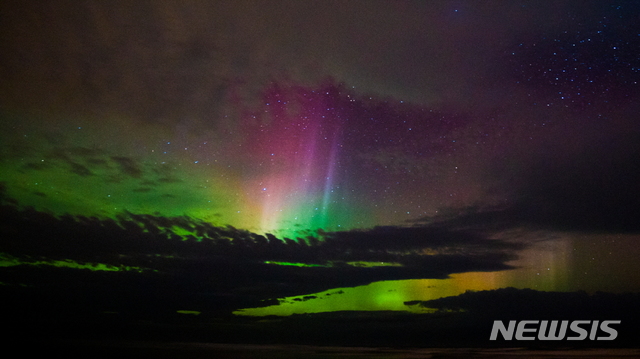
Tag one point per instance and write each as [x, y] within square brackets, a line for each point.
[204, 350]
[460, 328]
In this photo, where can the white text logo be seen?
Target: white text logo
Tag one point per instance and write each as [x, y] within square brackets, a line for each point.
[549, 330]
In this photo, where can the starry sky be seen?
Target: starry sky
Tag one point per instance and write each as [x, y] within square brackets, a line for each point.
[418, 148]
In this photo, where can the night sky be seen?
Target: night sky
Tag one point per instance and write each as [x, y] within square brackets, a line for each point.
[374, 152]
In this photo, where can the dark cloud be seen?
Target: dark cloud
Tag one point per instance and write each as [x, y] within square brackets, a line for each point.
[69, 158]
[59, 153]
[128, 166]
[169, 180]
[305, 298]
[80, 169]
[36, 166]
[85, 152]
[407, 239]
[86, 162]
[189, 58]
[166, 174]
[596, 190]
[239, 259]
[515, 303]
[97, 162]
[592, 190]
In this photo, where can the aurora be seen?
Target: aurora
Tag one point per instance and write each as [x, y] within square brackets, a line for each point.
[247, 161]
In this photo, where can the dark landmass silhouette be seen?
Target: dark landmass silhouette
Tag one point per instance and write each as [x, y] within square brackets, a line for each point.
[462, 321]
[150, 273]
[154, 265]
